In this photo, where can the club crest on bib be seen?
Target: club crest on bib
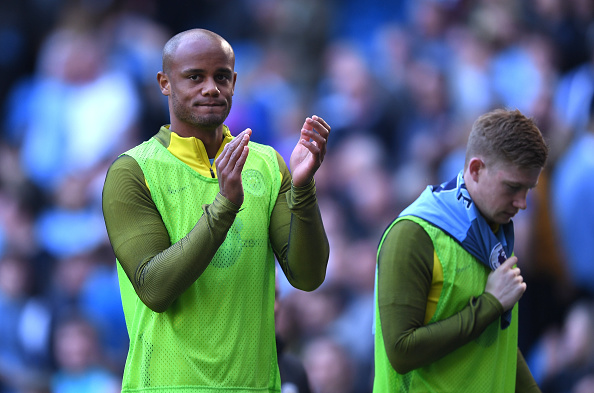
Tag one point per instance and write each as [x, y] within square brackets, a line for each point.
[497, 256]
[253, 182]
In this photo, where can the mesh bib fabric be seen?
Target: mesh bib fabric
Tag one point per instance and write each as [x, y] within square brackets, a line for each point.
[487, 364]
[219, 334]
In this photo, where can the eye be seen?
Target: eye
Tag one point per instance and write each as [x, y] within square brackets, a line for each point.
[193, 77]
[513, 188]
[223, 77]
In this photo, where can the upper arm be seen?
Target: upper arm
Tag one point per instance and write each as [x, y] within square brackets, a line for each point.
[285, 175]
[280, 220]
[405, 271]
[134, 226]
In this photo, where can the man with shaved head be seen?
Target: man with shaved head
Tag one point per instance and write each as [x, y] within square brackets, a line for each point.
[196, 218]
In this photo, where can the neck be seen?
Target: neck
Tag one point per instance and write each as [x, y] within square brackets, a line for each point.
[211, 138]
[468, 181]
[470, 188]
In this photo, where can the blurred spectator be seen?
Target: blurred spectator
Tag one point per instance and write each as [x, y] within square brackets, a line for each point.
[564, 24]
[100, 302]
[260, 79]
[584, 385]
[25, 323]
[17, 217]
[79, 360]
[72, 224]
[575, 89]
[302, 23]
[361, 184]
[469, 75]
[329, 367]
[66, 118]
[355, 275]
[135, 42]
[352, 99]
[392, 49]
[292, 372]
[566, 356]
[572, 187]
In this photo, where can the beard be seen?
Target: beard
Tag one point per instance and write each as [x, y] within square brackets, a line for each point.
[185, 114]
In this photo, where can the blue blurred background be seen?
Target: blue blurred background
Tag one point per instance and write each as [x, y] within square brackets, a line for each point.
[400, 82]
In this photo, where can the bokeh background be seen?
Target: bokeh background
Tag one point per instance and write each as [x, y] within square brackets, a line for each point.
[400, 82]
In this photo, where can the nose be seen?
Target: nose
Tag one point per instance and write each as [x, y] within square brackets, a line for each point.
[210, 88]
[520, 200]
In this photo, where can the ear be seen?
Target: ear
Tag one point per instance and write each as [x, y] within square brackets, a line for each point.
[163, 83]
[234, 80]
[475, 165]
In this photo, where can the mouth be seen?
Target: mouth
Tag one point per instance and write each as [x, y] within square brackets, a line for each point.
[210, 104]
[511, 214]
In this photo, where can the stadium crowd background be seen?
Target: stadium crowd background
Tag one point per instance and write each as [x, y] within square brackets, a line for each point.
[400, 82]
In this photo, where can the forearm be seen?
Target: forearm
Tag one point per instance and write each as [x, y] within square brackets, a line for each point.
[299, 238]
[163, 278]
[418, 346]
[158, 270]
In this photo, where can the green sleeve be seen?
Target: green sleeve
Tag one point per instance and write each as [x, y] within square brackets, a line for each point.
[404, 280]
[525, 382]
[158, 270]
[297, 234]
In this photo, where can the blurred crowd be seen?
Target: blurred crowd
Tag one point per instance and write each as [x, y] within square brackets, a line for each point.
[400, 82]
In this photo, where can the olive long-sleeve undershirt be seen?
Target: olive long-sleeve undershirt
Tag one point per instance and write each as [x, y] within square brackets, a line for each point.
[405, 278]
[160, 272]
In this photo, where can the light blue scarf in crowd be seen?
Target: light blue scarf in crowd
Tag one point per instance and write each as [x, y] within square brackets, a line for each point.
[450, 208]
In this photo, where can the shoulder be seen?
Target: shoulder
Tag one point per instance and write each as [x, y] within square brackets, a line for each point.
[408, 232]
[407, 241]
[124, 165]
[124, 172]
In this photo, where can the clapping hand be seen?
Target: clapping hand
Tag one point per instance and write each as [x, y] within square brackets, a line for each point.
[229, 165]
[309, 151]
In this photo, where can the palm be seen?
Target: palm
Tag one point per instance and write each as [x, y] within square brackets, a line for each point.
[309, 152]
[303, 165]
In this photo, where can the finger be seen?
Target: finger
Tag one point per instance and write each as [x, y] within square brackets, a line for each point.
[223, 158]
[516, 270]
[238, 150]
[247, 131]
[239, 138]
[312, 146]
[230, 148]
[242, 159]
[316, 144]
[312, 128]
[317, 125]
[315, 130]
[308, 124]
[313, 135]
[235, 142]
[509, 263]
[322, 122]
[234, 168]
[520, 278]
